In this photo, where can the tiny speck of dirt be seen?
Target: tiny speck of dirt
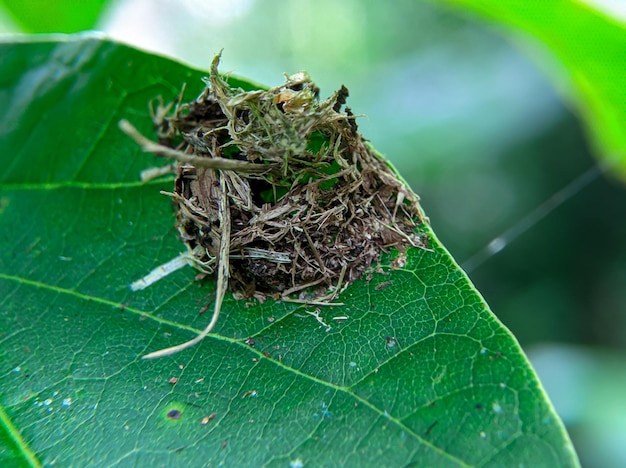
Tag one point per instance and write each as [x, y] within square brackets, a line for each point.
[174, 414]
[249, 393]
[431, 427]
[207, 419]
[384, 285]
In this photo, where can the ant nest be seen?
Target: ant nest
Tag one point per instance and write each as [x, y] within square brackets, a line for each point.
[277, 193]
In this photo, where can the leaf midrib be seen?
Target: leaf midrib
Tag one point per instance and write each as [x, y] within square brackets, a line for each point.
[82, 185]
[29, 456]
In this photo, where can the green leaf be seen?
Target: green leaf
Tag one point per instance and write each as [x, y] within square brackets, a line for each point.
[590, 49]
[60, 16]
[419, 372]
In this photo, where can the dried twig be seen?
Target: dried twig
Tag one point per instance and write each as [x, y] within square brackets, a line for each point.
[222, 278]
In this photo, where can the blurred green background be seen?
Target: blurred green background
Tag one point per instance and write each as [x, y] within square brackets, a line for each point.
[474, 124]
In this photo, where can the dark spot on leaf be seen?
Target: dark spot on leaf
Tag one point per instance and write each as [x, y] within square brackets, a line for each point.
[174, 414]
[479, 406]
[384, 285]
[431, 427]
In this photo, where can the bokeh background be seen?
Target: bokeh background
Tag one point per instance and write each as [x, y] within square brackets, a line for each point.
[469, 115]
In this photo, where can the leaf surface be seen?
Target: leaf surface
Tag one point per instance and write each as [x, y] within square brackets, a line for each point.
[418, 370]
[60, 16]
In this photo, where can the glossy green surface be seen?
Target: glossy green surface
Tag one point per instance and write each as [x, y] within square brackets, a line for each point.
[419, 372]
[590, 52]
[60, 16]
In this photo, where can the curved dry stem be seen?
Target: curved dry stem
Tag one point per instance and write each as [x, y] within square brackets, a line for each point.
[222, 164]
[222, 277]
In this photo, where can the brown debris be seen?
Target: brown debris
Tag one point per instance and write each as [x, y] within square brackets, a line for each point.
[277, 194]
[322, 206]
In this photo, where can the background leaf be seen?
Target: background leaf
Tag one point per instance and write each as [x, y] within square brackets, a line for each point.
[60, 16]
[591, 48]
[419, 372]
